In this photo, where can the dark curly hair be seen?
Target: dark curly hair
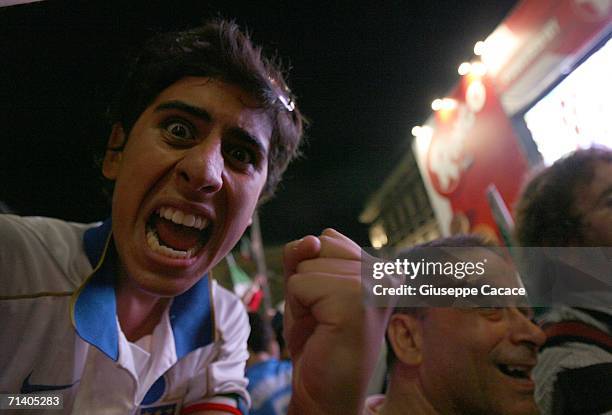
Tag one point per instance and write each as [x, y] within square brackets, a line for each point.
[545, 214]
[219, 50]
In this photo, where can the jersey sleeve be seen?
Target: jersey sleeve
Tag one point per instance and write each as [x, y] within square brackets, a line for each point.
[34, 248]
[224, 386]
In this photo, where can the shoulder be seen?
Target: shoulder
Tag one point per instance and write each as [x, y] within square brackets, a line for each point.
[41, 226]
[41, 253]
[230, 313]
[570, 354]
[573, 353]
[564, 359]
[47, 234]
[567, 362]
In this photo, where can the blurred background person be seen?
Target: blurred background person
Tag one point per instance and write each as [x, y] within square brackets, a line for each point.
[269, 377]
[278, 326]
[460, 360]
[569, 204]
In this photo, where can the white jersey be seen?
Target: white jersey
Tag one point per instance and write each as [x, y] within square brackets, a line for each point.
[60, 332]
[571, 355]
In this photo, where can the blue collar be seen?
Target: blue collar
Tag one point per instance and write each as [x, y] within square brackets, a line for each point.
[94, 304]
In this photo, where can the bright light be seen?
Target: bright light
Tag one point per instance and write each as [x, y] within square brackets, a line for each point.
[378, 236]
[448, 104]
[426, 131]
[478, 69]
[422, 131]
[475, 95]
[445, 104]
[479, 48]
[436, 105]
[464, 68]
[498, 48]
[423, 140]
[576, 113]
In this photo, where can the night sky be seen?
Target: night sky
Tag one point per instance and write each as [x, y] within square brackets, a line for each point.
[364, 73]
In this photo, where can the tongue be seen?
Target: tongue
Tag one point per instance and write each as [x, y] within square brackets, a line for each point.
[175, 236]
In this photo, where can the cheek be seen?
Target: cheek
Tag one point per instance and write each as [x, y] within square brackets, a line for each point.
[244, 193]
[240, 200]
[143, 167]
[459, 351]
[240, 210]
[443, 353]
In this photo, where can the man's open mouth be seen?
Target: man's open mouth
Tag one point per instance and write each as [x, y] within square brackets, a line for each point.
[516, 371]
[177, 234]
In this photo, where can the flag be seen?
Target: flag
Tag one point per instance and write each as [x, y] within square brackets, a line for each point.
[240, 279]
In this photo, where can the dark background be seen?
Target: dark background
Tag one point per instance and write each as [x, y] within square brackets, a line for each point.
[364, 73]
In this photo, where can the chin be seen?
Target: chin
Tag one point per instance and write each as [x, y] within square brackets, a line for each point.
[520, 408]
[159, 286]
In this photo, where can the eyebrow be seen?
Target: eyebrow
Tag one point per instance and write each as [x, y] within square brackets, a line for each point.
[237, 132]
[183, 106]
[249, 139]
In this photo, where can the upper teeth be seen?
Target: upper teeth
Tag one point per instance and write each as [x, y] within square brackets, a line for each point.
[182, 218]
[518, 369]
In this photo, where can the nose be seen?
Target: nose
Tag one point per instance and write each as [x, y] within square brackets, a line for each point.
[525, 331]
[200, 171]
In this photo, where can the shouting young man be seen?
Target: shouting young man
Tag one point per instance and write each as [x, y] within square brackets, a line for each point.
[122, 317]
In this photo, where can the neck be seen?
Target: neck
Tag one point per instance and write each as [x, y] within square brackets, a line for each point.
[406, 396]
[138, 312]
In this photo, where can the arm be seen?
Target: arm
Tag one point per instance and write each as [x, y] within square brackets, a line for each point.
[333, 337]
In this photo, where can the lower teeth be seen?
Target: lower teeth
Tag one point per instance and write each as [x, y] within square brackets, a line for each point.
[153, 242]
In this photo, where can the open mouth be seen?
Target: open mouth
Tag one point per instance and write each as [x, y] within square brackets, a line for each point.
[177, 234]
[515, 371]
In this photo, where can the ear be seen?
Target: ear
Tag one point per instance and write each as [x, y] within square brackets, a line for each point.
[114, 152]
[405, 334]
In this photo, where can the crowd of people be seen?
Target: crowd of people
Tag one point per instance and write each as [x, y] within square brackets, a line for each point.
[505, 360]
[122, 316]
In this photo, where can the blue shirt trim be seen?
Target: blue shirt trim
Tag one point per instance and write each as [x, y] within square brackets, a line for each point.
[95, 306]
[156, 391]
[94, 241]
[94, 312]
[192, 319]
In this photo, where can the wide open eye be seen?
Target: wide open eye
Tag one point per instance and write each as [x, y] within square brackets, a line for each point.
[240, 154]
[178, 130]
